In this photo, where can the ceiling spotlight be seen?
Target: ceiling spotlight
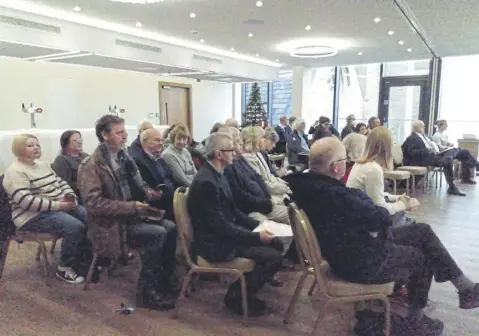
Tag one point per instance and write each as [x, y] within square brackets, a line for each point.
[308, 27]
[250, 35]
[409, 49]
[401, 42]
[377, 20]
[360, 53]
[202, 41]
[232, 49]
[259, 3]
[391, 33]
[138, 24]
[192, 15]
[277, 60]
[77, 8]
[257, 55]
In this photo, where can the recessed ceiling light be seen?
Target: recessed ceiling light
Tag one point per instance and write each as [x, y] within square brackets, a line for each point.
[138, 24]
[277, 60]
[391, 32]
[257, 55]
[77, 8]
[259, 3]
[232, 49]
[401, 42]
[308, 27]
[360, 53]
[250, 35]
[202, 41]
[192, 15]
[377, 20]
[409, 49]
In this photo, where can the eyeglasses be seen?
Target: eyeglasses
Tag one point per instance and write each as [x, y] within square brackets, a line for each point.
[227, 150]
[340, 160]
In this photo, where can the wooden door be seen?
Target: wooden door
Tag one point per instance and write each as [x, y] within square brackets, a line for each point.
[175, 104]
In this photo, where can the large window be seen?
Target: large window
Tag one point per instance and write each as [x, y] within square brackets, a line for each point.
[318, 94]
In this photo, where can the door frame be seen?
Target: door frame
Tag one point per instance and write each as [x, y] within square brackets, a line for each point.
[402, 81]
[189, 105]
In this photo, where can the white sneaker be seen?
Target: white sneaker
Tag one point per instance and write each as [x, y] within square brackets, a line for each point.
[67, 274]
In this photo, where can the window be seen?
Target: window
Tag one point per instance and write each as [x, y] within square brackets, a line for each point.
[408, 68]
[318, 94]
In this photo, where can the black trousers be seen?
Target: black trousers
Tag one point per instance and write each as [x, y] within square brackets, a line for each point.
[268, 260]
[415, 257]
[465, 157]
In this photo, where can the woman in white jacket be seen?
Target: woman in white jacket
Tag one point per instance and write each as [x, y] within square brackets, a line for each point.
[253, 142]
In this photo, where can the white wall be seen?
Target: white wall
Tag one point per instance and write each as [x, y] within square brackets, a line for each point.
[75, 96]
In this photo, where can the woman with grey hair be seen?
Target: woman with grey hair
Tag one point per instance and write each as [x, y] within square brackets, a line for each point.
[253, 143]
[297, 141]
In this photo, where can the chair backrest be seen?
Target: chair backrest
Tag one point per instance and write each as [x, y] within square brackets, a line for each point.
[185, 230]
[305, 239]
[397, 154]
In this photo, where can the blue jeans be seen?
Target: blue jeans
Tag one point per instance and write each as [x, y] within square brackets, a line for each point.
[156, 243]
[70, 226]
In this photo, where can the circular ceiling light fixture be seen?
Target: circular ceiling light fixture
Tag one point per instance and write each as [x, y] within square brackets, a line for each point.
[142, 2]
[259, 3]
[313, 51]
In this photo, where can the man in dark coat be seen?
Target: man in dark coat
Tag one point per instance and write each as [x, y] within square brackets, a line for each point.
[284, 130]
[357, 240]
[223, 233]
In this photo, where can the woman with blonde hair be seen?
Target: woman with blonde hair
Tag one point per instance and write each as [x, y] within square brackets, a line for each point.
[42, 202]
[368, 172]
[178, 158]
[253, 143]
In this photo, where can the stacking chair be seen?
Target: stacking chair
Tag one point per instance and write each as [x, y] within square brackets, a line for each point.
[331, 288]
[398, 175]
[236, 267]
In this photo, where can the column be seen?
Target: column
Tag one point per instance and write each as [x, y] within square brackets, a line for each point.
[297, 92]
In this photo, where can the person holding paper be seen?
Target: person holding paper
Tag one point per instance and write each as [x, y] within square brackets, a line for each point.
[222, 232]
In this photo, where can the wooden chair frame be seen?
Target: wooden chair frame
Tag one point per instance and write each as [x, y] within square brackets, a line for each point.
[308, 248]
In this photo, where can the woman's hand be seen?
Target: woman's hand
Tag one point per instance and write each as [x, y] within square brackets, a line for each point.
[412, 204]
[67, 206]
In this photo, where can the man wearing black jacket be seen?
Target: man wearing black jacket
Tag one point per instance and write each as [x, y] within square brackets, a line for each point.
[356, 238]
[223, 233]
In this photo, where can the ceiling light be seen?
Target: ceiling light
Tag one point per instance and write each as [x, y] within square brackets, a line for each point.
[391, 33]
[202, 41]
[277, 60]
[250, 35]
[259, 3]
[409, 49]
[257, 55]
[138, 24]
[313, 51]
[377, 20]
[77, 8]
[192, 15]
[314, 47]
[308, 27]
[360, 53]
[401, 42]
[232, 49]
[138, 1]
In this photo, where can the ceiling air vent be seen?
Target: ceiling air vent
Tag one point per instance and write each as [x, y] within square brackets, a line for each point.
[254, 22]
[207, 59]
[29, 24]
[139, 46]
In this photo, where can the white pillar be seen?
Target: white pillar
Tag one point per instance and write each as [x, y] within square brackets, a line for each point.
[297, 92]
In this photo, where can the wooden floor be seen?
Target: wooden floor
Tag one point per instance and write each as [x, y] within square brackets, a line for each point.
[30, 308]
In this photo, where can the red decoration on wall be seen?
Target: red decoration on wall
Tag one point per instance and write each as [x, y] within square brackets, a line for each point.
[39, 110]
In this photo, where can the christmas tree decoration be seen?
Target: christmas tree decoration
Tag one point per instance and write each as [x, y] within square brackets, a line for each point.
[254, 113]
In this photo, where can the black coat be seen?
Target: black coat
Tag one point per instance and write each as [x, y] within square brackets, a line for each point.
[219, 226]
[250, 193]
[415, 152]
[343, 219]
[346, 131]
[294, 146]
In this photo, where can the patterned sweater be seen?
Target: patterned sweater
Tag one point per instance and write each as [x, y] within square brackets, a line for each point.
[33, 189]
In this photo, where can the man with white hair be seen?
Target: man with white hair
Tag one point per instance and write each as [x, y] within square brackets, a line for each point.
[222, 232]
[349, 128]
[297, 141]
[142, 125]
[419, 150]
[232, 122]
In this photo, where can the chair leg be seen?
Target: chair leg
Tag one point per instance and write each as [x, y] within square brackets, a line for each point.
[186, 281]
[413, 178]
[52, 248]
[407, 186]
[395, 187]
[387, 317]
[39, 252]
[310, 292]
[6, 245]
[90, 271]
[244, 299]
[46, 264]
[322, 314]
[295, 297]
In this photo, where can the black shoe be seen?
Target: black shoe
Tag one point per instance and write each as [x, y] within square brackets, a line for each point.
[173, 285]
[455, 191]
[275, 282]
[147, 297]
[425, 327]
[469, 299]
[468, 181]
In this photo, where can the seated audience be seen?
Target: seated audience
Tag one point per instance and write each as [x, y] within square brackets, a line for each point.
[350, 126]
[321, 132]
[66, 163]
[250, 193]
[283, 130]
[178, 158]
[198, 154]
[297, 142]
[166, 135]
[440, 138]
[356, 239]
[154, 170]
[42, 202]
[367, 174]
[142, 126]
[253, 137]
[223, 233]
[232, 122]
[354, 143]
[269, 141]
[325, 122]
[214, 129]
[116, 221]
[373, 122]
[419, 150]
[361, 129]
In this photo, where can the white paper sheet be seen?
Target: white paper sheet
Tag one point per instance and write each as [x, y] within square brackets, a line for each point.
[278, 229]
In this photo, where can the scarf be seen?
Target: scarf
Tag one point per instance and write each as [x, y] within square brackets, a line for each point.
[124, 169]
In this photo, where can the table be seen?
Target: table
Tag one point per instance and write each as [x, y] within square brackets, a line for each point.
[50, 142]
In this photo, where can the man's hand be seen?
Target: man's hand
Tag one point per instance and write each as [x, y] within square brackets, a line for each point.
[67, 206]
[266, 237]
[142, 209]
[154, 194]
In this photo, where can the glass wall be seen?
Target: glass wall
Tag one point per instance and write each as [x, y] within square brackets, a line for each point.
[318, 94]
[458, 95]
[359, 92]
[409, 68]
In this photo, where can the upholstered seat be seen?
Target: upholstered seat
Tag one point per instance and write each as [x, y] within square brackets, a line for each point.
[398, 175]
[241, 264]
[414, 170]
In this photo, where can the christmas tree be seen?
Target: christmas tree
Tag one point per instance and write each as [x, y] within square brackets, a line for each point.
[254, 113]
